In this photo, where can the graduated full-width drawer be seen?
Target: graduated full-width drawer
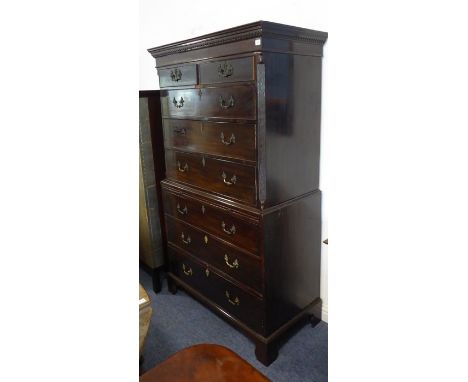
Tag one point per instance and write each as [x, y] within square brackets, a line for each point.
[230, 140]
[222, 292]
[234, 180]
[214, 219]
[241, 266]
[237, 102]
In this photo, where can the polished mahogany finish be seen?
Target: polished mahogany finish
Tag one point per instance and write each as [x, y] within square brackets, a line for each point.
[288, 231]
[292, 125]
[241, 198]
[232, 261]
[257, 37]
[231, 298]
[204, 363]
[229, 140]
[215, 219]
[230, 70]
[221, 176]
[178, 76]
[213, 102]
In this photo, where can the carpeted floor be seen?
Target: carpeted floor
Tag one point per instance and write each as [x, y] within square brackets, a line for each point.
[179, 321]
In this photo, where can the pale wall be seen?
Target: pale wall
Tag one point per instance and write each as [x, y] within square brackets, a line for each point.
[163, 23]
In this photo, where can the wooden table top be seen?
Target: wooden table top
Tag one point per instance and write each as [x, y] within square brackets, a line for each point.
[205, 362]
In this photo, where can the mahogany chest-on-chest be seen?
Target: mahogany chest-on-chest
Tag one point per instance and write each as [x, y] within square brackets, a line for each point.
[241, 120]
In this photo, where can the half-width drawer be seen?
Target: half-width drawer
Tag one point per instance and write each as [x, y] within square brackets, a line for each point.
[227, 225]
[230, 298]
[231, 140]
[239, 265]
[231, 70]
[178, 76]
[216, 102]
[214, 175]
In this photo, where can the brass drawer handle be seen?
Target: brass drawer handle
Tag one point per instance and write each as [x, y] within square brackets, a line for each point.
[178, 104]
[186, 242]
[225, 70]
[183, 169]
[230, 231]
[231, 140]
[187, 270]
[235, 264]
[183, 211]
[236, 301]
[180, 131]
[229, 183]
[176, 74]
[226, 104]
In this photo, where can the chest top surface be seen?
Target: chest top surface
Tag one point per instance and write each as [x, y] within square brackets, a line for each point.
[260, 36]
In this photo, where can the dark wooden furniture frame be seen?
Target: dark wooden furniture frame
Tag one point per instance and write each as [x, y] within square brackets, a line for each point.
[264, 78]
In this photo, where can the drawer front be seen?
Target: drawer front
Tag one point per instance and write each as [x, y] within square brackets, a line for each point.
[229, 297]
[240, 266]
[228, 226]
[178, 76]
[190, 271]
[239, 69]
[231, 179]
[217, 138]
[224, 102]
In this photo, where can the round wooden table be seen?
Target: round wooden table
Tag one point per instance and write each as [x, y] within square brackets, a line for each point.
[204, 363]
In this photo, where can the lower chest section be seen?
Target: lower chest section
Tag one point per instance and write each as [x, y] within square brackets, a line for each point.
[229, 297]
[214, 249]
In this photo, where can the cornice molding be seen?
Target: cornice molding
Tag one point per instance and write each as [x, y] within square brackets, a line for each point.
[182, 48]
[244, 32]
